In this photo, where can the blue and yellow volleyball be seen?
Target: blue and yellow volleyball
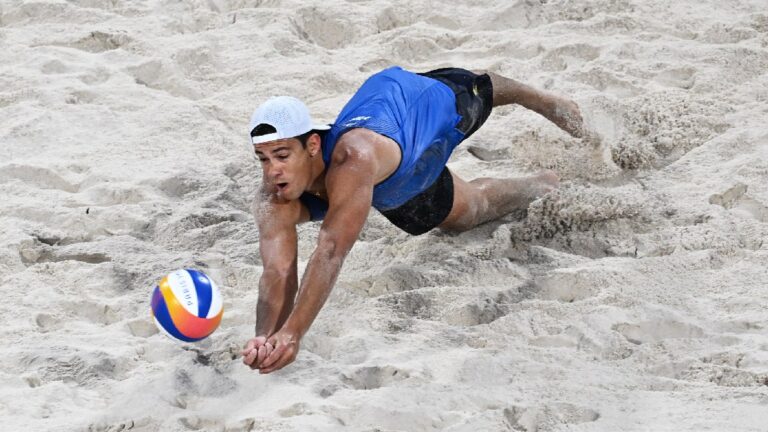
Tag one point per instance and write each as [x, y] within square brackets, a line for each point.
[187, 305]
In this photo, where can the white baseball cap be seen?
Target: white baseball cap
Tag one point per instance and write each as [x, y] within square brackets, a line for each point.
[288, 115]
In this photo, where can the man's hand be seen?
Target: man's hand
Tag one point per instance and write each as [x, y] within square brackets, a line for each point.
[256, 350]
[566, 114]
[286, 345]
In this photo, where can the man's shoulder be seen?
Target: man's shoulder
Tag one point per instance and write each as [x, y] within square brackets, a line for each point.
[359, 135]
[364, 149]
[356, 142]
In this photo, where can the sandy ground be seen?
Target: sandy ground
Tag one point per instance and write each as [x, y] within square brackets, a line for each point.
[634, 298]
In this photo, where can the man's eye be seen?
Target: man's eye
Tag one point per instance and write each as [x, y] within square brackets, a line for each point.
[263, 159]
[282, 157]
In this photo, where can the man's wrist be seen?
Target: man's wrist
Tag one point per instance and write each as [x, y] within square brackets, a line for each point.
[260, 331]
[294, 328]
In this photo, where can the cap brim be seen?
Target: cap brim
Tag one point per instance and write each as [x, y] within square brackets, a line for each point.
[259, 139]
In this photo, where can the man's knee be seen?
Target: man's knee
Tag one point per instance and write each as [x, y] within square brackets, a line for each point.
[466, 210]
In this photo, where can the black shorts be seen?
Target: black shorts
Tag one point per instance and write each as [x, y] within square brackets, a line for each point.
[474, 100]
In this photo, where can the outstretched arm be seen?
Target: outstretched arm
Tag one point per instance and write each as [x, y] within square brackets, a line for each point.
[278, 283]
[349, 182]
[279, 280]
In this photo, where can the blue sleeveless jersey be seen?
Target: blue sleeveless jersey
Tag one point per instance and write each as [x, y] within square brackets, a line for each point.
[418, 113]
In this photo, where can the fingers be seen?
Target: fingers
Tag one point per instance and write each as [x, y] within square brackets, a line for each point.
[274, 356]
[285, 358]
[269, 356]
[248, 347]
[251, 350]
[253, 343]
[264, 352]
[250, 357]
[283, 355]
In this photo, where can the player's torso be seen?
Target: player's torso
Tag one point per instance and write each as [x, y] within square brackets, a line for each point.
[414, 113]
[385, 150]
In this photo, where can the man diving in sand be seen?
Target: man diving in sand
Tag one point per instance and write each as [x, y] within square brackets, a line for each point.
[387, 149]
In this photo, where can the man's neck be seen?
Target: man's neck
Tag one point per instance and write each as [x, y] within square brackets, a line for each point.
[318, 174]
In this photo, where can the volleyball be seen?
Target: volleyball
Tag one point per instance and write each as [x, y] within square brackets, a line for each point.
[187, 305]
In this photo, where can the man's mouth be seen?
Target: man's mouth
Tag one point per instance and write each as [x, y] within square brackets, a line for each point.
[281, 186]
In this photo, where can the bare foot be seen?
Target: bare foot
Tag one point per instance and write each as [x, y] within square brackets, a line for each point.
[529, 189]
[543, 182]
[567, 116]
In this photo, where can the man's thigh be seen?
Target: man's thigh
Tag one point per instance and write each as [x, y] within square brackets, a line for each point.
[426, 210]
[462, 213]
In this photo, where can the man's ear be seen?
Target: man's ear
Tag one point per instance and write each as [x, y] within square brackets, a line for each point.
[313, 144]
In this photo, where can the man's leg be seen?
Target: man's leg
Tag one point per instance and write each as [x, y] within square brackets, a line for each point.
[485, 199]
[559, 110]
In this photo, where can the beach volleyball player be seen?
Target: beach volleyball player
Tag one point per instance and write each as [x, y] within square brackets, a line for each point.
[387, 149]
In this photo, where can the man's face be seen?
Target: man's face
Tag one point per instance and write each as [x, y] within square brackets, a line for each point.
[287, 167]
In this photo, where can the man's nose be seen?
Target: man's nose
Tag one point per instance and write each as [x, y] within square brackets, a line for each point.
[274, 172]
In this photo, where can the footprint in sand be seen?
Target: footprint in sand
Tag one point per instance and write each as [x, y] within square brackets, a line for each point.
[656, 331]
[34, 251]
[572, 56]
[97, 313]
[568, 285]
[325, 29]
[95, 76]
[729, 197]
[709, 370]
[38, 177]
[722, 33]
[84, 257]
[682, 77]
[83, 370]
[78, 97]
[416, 303]
[407, 48]
[113, 193]
[99, 41]
[208, 218]
[178, 186]
[297, 409]
[608, 82]
[47, 322]
[548, 417]
[53, 67]
[484, 309]
[119, 426]
[397, 278]
[391, 18]
[521, 14]
[736, 198]
[142, 328]
[211, 424]
[373, 377]
[163, 76]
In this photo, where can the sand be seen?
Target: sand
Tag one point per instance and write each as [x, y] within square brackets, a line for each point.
[634, 298]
